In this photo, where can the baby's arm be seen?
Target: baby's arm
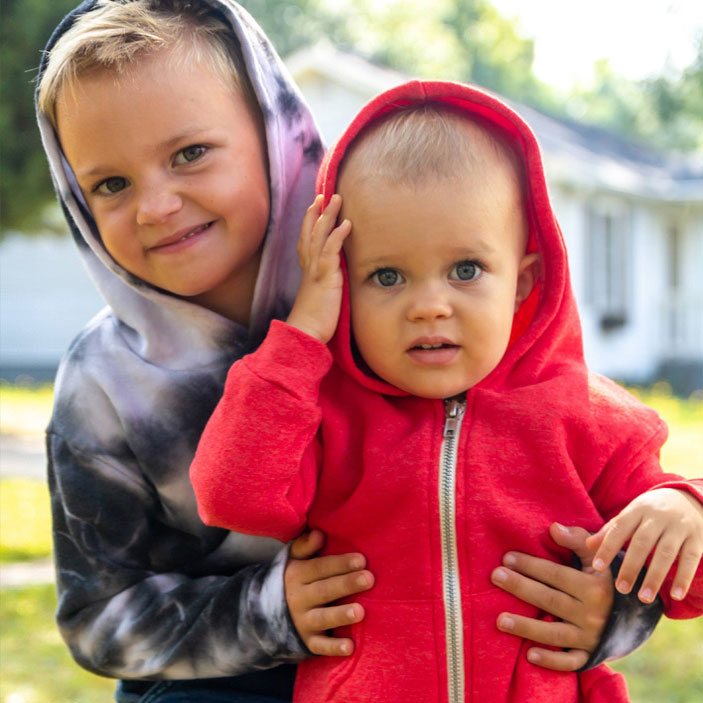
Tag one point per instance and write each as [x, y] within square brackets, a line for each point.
[664, 522]
[256, 466]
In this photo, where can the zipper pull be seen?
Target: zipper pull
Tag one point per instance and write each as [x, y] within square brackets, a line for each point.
[453, 410]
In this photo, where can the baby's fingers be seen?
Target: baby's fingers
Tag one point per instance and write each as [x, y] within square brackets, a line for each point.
[662, 560]
[325, 222]
[643, 544]
[613, 536]
[689, 559]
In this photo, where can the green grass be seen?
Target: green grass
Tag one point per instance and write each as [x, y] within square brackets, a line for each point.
[25, 520]
[36, 666]
[669, 667]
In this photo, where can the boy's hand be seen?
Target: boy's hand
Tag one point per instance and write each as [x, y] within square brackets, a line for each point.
[665, 520]
[312, 583]
[317, 305]
[581, 599]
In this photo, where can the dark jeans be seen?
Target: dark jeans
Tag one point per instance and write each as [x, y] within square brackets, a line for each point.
[187, 692]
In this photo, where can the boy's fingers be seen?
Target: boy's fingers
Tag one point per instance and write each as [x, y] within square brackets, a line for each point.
[571, 660]
[322, 619]
[336, 587]
[330, 646]
[686, 570]
[545, 598]
[307, 545]
[320, 568]
[564, 578]
[555, 634]
[573, 538]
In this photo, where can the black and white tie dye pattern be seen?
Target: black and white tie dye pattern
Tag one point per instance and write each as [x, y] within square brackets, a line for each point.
[146, 590]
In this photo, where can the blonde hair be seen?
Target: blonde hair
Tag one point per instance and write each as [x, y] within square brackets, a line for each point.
[115, 33]
[423, 142]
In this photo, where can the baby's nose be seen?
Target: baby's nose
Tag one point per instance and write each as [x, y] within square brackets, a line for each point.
[430, 303]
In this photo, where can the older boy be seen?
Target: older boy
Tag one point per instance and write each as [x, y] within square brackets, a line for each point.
[452, 415]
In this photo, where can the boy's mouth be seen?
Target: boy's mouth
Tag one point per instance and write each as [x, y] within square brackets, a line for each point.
[181, 236]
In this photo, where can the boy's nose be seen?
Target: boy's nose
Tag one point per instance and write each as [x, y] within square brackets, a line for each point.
[156, 204]
[430, 303]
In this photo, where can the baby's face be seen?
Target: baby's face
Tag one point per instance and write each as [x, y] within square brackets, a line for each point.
[436, 273]
[173, 168]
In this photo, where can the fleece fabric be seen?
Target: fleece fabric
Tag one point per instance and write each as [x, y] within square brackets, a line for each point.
[145, 589]
[304, 436]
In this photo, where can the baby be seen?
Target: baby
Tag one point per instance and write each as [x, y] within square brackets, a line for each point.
[427, 403]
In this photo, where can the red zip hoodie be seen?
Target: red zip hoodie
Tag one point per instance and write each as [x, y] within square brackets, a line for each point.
[435, 492]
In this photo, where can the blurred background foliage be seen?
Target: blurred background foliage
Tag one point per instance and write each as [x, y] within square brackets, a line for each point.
[466, 40]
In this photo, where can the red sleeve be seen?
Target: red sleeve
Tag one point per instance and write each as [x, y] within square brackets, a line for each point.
[255, 468]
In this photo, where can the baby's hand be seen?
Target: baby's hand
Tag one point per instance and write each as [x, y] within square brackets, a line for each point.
[665, 521]
[317, 305]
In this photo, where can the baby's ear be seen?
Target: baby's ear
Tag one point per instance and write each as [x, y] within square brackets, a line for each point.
[528, 272]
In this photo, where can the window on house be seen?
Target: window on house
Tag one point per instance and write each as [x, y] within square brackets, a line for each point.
[608, 263]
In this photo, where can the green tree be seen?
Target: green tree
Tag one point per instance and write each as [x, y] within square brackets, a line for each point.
[25, 185]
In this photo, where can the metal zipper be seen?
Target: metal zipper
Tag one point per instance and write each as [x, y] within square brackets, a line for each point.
[454, 628]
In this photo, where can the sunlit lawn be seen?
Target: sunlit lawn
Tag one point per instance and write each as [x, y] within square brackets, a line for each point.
[36, 667]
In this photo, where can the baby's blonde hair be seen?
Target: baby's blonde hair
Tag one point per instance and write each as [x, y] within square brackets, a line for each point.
[115, 33]
[413, 145]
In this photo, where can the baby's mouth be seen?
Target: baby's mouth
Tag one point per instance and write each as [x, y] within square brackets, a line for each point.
[440, 345]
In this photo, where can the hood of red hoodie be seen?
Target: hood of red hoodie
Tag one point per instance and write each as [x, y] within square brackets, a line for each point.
[546, 333]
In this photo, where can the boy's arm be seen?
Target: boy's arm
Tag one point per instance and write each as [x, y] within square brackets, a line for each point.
[255, 469]
[134, 598]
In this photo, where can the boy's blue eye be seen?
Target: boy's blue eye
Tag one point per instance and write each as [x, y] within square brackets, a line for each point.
[387, 277]
[110, 186]
[190, 153]
[465, 271]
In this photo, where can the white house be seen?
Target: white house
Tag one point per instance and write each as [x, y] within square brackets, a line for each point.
[632, 220]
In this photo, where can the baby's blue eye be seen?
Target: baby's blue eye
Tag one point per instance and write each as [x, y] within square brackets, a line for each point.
[387, 277]
[110, 186]
[466, 271]
[190, 153]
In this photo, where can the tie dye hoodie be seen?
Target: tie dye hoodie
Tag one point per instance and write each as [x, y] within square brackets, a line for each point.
[145, 589]
[435, 492]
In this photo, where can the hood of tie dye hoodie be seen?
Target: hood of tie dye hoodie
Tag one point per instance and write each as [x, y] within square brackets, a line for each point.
[168, 330]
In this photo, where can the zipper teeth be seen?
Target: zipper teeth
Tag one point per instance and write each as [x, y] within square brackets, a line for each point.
[452, 593]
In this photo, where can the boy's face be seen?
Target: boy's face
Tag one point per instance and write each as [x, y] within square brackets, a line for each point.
[436, 273]
[173, 167]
